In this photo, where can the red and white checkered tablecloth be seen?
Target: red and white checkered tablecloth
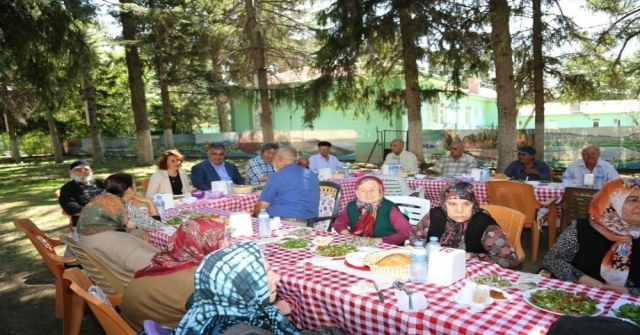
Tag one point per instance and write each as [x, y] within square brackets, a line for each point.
[320, 297]
[433, 187]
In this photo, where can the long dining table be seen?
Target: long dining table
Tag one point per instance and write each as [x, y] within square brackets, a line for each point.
[320, 295]
[433, 187]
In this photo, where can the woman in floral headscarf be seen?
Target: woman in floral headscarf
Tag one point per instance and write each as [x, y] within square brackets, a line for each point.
[159, 291]
[461, 223]
[371, 215]
[597, 251]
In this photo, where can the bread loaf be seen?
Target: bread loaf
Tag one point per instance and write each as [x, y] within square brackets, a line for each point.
[395, 260]
[500, 176]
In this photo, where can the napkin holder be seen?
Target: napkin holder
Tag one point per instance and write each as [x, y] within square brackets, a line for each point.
[219, 186]
[446, 266]
[588, 179]
[167, 198]
[241, 224]
[476, 174]
[324, 174]
[385, 169]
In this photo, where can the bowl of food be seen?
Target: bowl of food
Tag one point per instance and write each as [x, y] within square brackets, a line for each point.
[356, 258]
[338, 175]
[197, 194]
[215, 194]
[322, 240]
[189, 200]
[242, 189]
[499, 296]
[420, 176]
[389, 263]
[358, 174]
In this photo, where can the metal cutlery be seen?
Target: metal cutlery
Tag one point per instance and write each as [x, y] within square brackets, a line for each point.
[400, 286]
[379, 293]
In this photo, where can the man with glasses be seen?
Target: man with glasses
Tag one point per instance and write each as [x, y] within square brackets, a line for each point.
[527, 167]
[407, 159]
[75, 194]
[456, 163]
[260, 167]
[214, 169]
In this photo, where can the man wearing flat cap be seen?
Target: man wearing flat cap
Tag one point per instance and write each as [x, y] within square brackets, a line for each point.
[323, 159]
[527, 167]
[75, 194]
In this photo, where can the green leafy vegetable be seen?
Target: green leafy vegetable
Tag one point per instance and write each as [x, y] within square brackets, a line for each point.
[629, 311]
[295, 243]
[359, 241]
[173, 222]
[335, 250]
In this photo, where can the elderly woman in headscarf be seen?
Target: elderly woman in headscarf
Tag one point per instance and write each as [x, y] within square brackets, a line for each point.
[373, 216]
[460, 223]
[598, 251]
[160, 291]
[235, 289]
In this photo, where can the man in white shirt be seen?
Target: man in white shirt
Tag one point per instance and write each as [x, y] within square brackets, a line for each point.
[407, 159]
[588, 164]
[323, 160]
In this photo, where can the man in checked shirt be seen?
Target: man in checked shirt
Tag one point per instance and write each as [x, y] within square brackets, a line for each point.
[259, 168]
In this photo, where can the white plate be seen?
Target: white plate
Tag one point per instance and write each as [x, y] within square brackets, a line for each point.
[356, 258]
[527, 296]
[492, 280]
[617, 304]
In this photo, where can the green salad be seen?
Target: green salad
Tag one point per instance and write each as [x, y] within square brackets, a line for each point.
[335, 250]
[628, 311]
[295, 243]
[173, 222]
[203, 216]
[359, 241]
[564, 302]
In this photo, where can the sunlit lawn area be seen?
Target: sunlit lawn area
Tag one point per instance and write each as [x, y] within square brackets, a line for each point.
[27, 191]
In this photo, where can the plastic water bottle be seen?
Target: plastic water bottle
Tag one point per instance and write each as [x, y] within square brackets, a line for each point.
[229, 183]
[159, 205]
[485, 175]
[264, 223]
[418, 269]
[433, 244]
[599, 178]
[566, 178]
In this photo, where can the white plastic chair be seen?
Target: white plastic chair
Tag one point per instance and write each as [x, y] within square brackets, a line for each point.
[395, 185]
[413, 207]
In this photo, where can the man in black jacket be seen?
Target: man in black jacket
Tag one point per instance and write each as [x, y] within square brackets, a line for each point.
[75, 194]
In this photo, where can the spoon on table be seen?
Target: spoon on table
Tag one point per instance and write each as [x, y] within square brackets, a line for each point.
[400, 286]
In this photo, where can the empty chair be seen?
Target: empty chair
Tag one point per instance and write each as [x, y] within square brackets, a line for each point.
[104, 277]
[395, 185]
[78, 286]
[145, 185]
[330, 193]
[521, 197]
[575, 204]
[45, 247]
[511, 221]
[413, 207]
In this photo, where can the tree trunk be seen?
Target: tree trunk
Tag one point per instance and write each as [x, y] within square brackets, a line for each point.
[257, 55]
[505, 86]
[412, 88]
[13, 136]
[538, 79]
[136, 86]
[92, 114]
[221, 97]
[166, 105]
[55, 140]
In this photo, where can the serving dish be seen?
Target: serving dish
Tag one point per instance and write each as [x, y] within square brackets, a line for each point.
[499, 296]
[387, 271]
[189, 200]
[242, 189]
[333, 251]
[356, 258]
[215, 194]
[582, 305]
[492, 280]
[615, 310]
[322, 240]
[197, 194]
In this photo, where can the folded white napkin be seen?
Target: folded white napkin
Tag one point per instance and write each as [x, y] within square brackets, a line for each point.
[418, 301]
[366, 286]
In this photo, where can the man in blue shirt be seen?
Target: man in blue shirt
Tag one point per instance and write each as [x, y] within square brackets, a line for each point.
[323, 159]
[292, 192]
[214, 169]
[259, 168]
[527, 167]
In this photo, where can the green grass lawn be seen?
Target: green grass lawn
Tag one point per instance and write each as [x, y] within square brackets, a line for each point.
[27, 191]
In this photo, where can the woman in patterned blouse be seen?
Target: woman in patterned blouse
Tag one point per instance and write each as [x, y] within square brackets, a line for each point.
[597, 251]
[461, 223]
